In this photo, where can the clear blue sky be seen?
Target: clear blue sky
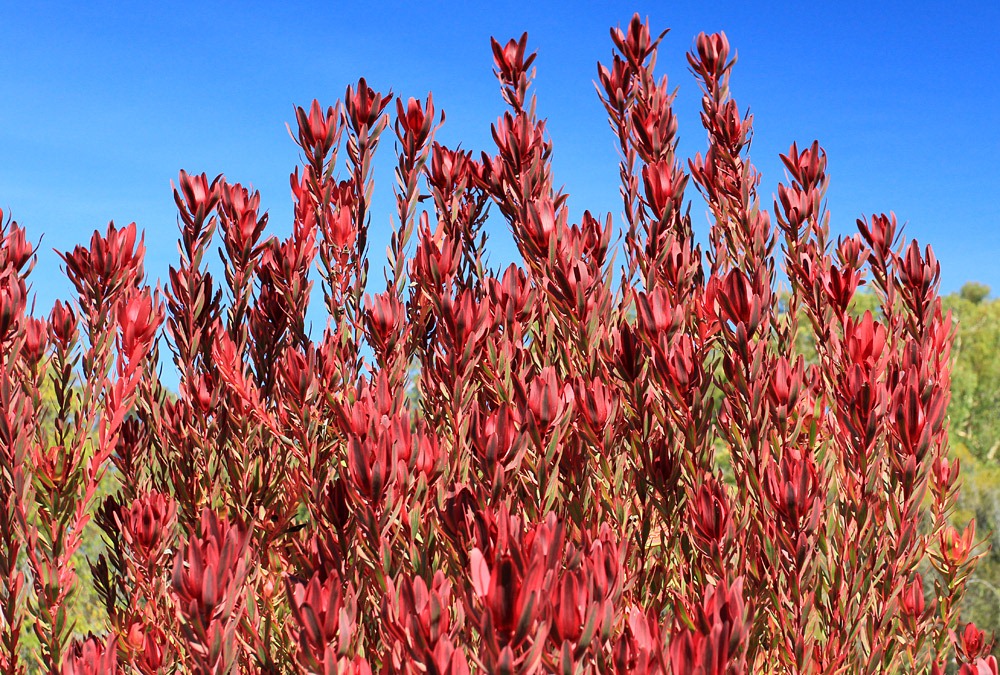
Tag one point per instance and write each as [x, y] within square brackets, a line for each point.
[103, 102]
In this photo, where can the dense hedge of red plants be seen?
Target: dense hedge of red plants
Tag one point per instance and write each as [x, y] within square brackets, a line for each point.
[539, 470]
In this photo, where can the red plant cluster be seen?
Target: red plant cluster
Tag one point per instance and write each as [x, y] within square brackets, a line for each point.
[544, 469]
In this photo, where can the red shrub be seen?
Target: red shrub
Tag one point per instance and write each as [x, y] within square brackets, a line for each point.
[641, 475]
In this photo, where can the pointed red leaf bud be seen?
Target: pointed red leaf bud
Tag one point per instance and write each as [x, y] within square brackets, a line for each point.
[148, 646]
[617, 83]
[544, 221]
[955, 547]
[636, 44]
[713, 646]
[91, 656]
[510, 59]
[912, 599]
[850, 251]
[945, 473]
[413, 123]
[798, 206]
[147, 525]
[139, 317]
[365, 106]
[657, 314]
[36, 340]
[449, 169]
[15, 249]
[428, 455]
[597, 403]
[318, 130]
[63, 324]
[792, 487]
[972, 644]
[628, 354]
[865, 341]
[371, 464]
[195, 196]
[710, 513]
[571, 604]
[807, 167]
[385, 316]
[208, 577]
[664, 183]
[495, 435]
[548, 400]
[880, 234]
[712, 56]
[513, 296]
[111, 264]
[238, 217]
[982, 666]
[13, 298]
[840, 285]
[786, 383]
[319, 614]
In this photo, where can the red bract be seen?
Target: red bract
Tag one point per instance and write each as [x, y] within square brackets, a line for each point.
[713, 646]
[16, 250]
[512, 586]
[972, 644]
[318, 130]
[711, 516]
[149, 647]
[510, 59]
[548, 400]
[913, 598]
[365, 105]
[555, 467]
[324, 625]
[63, 323]
[955, 547]
[147, 523]
[12, 304]
[419, 620]
[139, 320]
[986, 666]
[792, 486]
[100, 273]
[91, 657]
[209, 573]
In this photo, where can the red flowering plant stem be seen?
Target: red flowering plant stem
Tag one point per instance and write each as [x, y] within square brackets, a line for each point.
[762, 417]
[23, 345]
[131, 580]
[68, 467]
[672, 331]
[364, 121]
[184, 430]
[209, 572]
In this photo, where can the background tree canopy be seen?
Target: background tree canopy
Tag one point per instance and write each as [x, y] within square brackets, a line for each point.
[975, 435]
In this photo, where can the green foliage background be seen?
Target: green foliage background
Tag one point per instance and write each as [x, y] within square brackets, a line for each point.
[975, 437]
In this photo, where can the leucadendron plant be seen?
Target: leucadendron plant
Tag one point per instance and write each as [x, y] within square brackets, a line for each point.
[545, 468]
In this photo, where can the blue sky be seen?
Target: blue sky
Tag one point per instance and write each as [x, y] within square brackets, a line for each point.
[103, 102]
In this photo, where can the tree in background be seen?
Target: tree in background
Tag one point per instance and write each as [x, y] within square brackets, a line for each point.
[975, 433]
[975, 421]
